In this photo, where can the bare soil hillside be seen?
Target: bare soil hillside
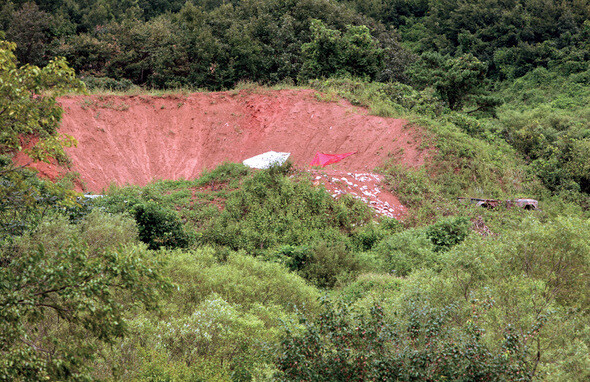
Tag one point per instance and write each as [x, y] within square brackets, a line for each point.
[136, 139]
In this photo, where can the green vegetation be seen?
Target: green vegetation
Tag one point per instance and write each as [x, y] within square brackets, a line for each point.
[249, 275]
[65, 291]
[365, 346]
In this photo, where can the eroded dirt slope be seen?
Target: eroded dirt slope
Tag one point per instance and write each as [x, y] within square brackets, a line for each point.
[134, 139]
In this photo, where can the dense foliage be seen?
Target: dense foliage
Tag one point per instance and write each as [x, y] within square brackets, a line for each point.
[366, 347]
[64, 290]
[216, 43]
[258, 275]
[205, 44]
[62, 286]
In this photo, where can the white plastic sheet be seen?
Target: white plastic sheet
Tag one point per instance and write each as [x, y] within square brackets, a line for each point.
[267, 160]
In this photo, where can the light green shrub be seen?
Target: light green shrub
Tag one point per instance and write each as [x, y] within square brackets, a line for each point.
[222, 323]
[406, 251]
[240, 279]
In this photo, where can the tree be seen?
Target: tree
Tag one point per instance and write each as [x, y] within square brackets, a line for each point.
[60, 290]
[457, 80]
[29, 116]
[62, 295]
[513, 36]
[332, 53]
[28, 107]
[29, 28]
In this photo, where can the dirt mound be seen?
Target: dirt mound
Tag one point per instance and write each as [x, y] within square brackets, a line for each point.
[135, 139]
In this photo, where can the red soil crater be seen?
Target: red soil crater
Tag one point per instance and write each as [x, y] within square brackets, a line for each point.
[136, 139]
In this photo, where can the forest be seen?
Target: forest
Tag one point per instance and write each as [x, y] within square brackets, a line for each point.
[285, 282]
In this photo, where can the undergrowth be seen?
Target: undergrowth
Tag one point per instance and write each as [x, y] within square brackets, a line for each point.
[234, 208]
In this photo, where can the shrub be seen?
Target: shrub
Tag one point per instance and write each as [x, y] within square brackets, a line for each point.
[98, 232]
[295, 258]
[270, 210]
[449, 232]
[406, 251]
[557, 253]
[159, 227]
[103, 232]
[221, 323]
[216, 338]
[240, 279]
[107, 83]
[344, 345]
[331, 264]
[379, 285]
[364, 238]
[531, 280]
[61, 299]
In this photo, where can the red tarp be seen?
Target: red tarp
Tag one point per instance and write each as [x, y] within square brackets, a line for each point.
[323, 160]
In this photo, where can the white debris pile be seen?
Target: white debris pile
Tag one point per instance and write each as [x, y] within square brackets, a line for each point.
[267, 160]
[363, 186]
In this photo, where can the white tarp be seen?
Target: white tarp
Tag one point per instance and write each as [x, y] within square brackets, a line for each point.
[267, 160]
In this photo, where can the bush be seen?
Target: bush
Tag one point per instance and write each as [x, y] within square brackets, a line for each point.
[221, 323]
[330, 265]
[107, 83]
[217, 338]
[531, 280]
[98, 232]
[103, 232]
[558, 253]
[159, 227]
[368, 236]
[240, 279]
[63, 295]
[378, 285]
[406, 251]
[449, 232]
[295, 258]
[344, 345]
[270, 210]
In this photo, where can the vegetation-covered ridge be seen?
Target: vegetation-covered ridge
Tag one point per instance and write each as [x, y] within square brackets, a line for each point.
[256, 275]
[215, 44]
[513, 70]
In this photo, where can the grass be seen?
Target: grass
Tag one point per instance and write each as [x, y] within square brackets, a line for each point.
[135, 90]
[103, 102]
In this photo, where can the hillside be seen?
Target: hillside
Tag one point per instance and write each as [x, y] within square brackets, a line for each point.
[190, 266]
[135, 139]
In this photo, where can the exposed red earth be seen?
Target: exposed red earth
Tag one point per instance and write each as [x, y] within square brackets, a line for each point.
[136, 139]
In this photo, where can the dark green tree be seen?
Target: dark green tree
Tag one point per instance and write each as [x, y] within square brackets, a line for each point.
[343, 345]
[159, 227]
[513, 36]
[458, 81]
[332, 53]
[29, 28]
[446, 233]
